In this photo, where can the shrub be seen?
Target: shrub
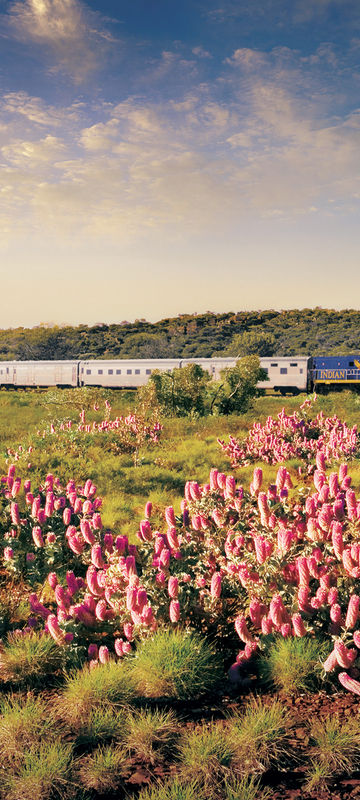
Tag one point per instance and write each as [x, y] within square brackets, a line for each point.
[152, 734]
[28, 658]
[176, 664]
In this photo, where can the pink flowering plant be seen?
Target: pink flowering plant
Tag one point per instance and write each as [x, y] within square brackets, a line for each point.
[294, 435]
[120, 434]
[243, 565]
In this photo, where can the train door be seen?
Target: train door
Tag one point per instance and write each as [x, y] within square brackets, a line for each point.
[58, 374]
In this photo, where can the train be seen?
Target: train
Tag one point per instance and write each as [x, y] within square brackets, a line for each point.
[286, 375]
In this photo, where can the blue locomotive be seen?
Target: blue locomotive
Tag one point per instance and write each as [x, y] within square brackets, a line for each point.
[336, 371]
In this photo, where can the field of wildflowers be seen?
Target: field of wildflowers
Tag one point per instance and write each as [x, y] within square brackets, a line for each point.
[248, 582]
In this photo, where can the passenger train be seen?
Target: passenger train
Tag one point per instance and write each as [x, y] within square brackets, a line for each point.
[284, 374]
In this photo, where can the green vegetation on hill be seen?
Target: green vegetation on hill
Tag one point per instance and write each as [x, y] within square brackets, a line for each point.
[292, 332]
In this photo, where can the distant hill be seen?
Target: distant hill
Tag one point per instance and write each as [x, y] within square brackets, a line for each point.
[296, 332]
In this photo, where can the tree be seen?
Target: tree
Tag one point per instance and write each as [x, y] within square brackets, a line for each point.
[237, 387]
[250, 343]
[178, 393]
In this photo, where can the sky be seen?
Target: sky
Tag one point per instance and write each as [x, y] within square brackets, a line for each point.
[162, 157]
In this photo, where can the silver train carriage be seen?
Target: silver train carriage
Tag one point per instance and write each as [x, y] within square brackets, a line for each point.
[284, 374]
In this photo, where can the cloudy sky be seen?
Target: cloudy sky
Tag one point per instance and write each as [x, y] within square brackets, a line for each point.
[162, 156]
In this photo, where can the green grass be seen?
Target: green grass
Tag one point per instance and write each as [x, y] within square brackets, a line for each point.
[175, 790]
[260, 735]
[152, 734]
[27, 659]
[206, 755]
[292, 665]
[106, 685]
[103, 769]
[176, 664]
[248, 788]
[102, 724]
[24, 720]
[42, 773]
[335, 744]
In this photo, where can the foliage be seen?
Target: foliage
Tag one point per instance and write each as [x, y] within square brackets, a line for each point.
[238, 386]
[314, 331]
[109, 687]
[251, 342]
[293, 436]
[175, 790]
[176, 664]
[177, 393]
[292, 665]
[260, 735]
[27, 657]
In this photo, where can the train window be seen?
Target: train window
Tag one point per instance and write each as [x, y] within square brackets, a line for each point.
[283, 370]
[148, 371]
[274, 365]
[301, 371]
[88, 371]
[82, 370]
[118, 371]
[351, 364]
[100, 371]
[7, 370]
[293, 364]
[110, 371]
[129, 371]
[137, 372]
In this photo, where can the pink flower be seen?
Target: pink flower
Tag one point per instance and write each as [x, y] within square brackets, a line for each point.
[37, 537]
[349, 683]
[215, 586]
[352, 613]
[8, 553]
[298, 625]
[14, 512]
[173, 587]
[148, 510]
[104, 655]
[174, 611]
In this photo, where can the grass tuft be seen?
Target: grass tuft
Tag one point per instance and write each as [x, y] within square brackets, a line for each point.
[103, 769]
[260, 735]
[248, 788]
[206, 755]
[86, 689]
[292, 665]
[335, 744]
[23, 721]
[27, 659]
[176, 664]
[152, 734]
[40, 774]
[173, 791]
[102, 725]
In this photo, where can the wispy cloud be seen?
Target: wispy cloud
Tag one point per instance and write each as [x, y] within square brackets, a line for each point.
[197, 164]
[72, 35]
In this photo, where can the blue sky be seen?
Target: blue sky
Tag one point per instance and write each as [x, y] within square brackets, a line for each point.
[160, 157]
